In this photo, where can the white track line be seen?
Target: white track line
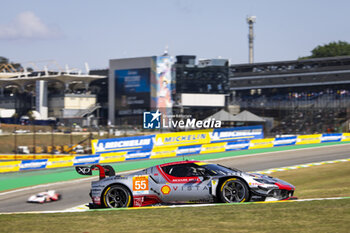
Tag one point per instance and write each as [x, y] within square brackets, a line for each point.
[179, 206]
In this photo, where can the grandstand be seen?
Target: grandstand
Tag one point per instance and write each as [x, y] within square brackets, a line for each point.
[302, 96]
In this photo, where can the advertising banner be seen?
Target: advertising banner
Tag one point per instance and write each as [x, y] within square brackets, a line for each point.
[60, 162]
[188, 150]
[213, 148]
[237, 145]
[345, 137]
[112, 157]
[86, 159]
[308, 139]
[285, 141]
[237, 133]
[261, 143]
[138, 154]
[32, 164]
[183, 138]
[122, 144]
[12, 166]
[161, 152]
[332, 137]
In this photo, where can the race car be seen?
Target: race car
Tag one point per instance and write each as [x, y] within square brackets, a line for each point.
[43, 197]
[182, 182]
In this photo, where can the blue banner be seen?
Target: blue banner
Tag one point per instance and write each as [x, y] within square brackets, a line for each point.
[331, 137]
[86, 159]
[122, 144]
[32, 164]
[237, 133]
[138, 154]
[285, 141]
[188, 150]
[237, 145]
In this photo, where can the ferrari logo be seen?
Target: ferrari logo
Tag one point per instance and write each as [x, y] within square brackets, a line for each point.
[165, 189]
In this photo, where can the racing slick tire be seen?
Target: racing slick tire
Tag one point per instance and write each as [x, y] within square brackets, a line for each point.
[116, 196]
[234, 190]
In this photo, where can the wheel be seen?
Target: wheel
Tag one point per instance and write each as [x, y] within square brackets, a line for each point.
[116, 196]
[234, 190]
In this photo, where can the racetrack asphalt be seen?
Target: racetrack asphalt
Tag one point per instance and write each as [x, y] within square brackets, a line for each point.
[75, 192]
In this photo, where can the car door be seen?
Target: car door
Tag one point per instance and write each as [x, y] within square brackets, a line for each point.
[182, 183]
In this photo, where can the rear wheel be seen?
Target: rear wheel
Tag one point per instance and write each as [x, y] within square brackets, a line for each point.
[234, 190]
[116, 196]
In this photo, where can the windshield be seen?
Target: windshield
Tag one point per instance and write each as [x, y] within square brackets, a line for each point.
[217, 169]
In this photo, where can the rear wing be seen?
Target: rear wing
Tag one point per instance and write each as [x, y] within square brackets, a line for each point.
[104, 170]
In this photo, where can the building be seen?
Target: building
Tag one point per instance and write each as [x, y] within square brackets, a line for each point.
[138, 85]
[201, 89]
[64, 96]
[302, 96]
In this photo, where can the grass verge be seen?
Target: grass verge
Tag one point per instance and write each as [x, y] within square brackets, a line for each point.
[314, 216]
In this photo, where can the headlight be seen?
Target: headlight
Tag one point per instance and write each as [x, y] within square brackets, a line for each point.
[264, 181]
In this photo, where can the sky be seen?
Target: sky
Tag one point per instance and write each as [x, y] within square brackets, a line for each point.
[94, 31]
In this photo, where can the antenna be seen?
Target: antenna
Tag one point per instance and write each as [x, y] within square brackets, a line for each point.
[67, 69]
[87, 68]
[46, 71]
[251, 20]
[166, 51]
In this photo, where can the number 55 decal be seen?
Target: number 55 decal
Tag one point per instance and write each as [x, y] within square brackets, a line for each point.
[140, 185]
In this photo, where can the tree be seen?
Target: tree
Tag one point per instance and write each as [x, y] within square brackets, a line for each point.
[333, 49]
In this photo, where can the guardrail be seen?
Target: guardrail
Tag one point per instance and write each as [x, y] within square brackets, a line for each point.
[141, 150]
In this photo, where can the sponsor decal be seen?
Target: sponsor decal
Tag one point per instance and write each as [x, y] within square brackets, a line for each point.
[140, 184]
[165, 189]
[96, 200]
[189, 188]
[138, 201]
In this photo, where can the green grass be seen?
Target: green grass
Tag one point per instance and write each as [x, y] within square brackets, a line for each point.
[314, 216]
[329, 180]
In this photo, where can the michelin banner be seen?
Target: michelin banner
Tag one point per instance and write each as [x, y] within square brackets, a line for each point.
[237, 133]
[122, 144]
[168, 145]
[178, 139]
[285, 141]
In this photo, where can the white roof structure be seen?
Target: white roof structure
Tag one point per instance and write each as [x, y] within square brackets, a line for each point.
[247, 116]
[244, 116]
[222, 115]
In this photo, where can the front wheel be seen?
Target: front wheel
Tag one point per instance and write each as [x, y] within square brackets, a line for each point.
[234, 190]
[116, 196]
